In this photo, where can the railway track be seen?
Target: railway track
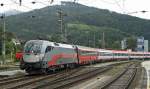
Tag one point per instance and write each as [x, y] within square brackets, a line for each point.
[27, 80]
[54, 81]
[3, 76]
[75, 79]
[122, 80]
[9, 78]
[63, 81]
[15, 79]
[49, 81]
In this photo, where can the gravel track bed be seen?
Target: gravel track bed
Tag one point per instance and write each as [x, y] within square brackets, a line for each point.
[61, 78]
[50, 81]
[122, 80]
[27, 80]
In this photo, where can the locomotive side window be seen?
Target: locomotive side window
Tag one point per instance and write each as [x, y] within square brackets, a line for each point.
[49, 48]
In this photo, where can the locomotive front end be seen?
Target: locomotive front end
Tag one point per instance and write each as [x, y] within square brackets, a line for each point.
[32, 55]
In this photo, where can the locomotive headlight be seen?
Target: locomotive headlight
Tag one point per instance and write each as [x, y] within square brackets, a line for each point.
[37, 56]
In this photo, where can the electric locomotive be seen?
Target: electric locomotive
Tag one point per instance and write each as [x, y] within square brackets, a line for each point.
[45, 56]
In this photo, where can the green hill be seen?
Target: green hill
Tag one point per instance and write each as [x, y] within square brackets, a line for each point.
[80, 22]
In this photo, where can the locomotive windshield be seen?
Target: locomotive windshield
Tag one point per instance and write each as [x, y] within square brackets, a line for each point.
[33, 47]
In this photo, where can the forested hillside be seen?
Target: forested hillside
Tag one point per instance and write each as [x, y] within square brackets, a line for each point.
[82, 25]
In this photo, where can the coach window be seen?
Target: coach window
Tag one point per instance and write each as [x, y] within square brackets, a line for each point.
[83, 52]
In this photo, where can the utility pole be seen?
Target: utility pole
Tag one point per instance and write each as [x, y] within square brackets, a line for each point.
[94, 39]
[103, 40]
[61, 20]
[60, 15]
[3, 39]
[87, 32]
[65, 34]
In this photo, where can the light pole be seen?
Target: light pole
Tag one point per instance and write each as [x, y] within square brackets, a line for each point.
[103, 40]
[3, 39]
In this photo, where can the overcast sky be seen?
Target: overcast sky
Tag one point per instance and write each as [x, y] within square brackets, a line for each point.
[120, 6]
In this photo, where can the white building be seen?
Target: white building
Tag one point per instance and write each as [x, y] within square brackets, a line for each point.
[123, 44]
[146, 45]
[142, 44]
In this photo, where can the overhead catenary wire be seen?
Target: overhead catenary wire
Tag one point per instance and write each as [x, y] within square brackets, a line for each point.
[134, 12]
[51, 1]
[22, 5]
[108, 2]
[35, 2]
[123, 3]
[121, 8]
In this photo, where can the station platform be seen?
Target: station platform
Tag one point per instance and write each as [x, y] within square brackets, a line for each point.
[12, 72]
[146, 65]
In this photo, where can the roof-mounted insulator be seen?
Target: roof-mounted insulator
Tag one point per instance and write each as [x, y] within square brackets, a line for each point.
[56, 44]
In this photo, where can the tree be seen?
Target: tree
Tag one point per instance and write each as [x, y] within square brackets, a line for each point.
[56, 38]
[131, 43]
[116, 45]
